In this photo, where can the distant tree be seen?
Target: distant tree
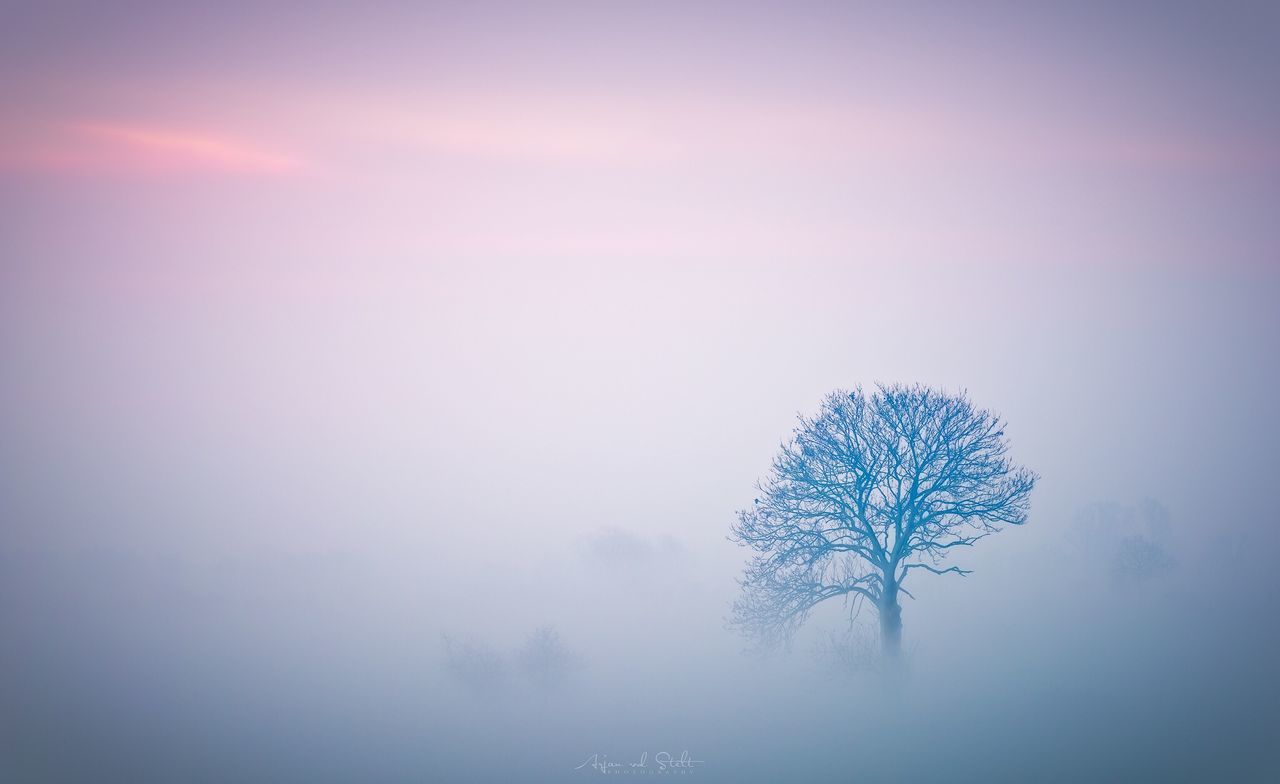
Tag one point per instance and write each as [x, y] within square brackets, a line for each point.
[476, 666]
[1138, 558]
[869, 490]
[545, 660]
[1132, 541]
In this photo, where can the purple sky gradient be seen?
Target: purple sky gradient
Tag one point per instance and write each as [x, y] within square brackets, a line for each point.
[401, 209]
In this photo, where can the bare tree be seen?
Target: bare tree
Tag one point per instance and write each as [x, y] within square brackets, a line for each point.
[869, 490]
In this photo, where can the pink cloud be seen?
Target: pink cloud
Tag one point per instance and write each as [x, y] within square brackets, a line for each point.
[129, 148]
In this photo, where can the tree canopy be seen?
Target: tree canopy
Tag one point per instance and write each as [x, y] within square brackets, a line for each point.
[873, 487]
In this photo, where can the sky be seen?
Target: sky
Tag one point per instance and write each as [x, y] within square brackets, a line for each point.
[328, 331]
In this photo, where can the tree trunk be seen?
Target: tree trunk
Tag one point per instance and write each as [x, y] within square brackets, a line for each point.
[890, 622]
